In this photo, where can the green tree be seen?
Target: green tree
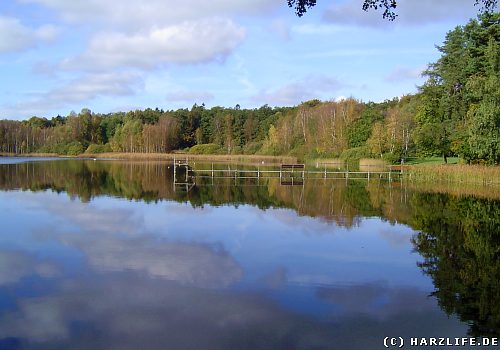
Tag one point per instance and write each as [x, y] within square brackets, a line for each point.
[484, 126]
[457, 114]
[271, 143]
[378, 140]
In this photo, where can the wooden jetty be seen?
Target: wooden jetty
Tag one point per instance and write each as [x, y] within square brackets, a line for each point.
[289, 174]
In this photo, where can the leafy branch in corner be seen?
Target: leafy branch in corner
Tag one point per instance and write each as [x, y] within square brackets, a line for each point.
[389, 6]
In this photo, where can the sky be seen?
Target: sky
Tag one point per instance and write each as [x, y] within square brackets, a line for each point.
[58, 56]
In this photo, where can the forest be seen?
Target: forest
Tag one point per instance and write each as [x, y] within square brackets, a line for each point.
[455, 113]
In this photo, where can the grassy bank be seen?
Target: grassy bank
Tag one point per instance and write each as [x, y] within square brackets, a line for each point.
[459, 174]
[432, 161]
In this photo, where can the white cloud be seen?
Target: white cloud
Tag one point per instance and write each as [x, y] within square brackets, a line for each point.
[125, 35]
[401, 73]
[47, 32]
[410, 12]
[14, 36]
[132, 13]
[82, 89]
[185, 43]
[298, 91]
[315, 29]
[93, 85]
[189, 96]
[281, 28]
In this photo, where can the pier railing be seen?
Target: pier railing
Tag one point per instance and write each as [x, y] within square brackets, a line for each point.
[289, 174]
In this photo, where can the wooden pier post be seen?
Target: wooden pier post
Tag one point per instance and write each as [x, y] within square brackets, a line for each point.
[175, 172]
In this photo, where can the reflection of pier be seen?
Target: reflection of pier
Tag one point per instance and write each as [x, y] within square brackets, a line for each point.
[187, 182]
[289, 174]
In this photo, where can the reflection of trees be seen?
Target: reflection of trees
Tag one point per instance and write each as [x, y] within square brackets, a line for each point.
[460, 244]
[336, 201]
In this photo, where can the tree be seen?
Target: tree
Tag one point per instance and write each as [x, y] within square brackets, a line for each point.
[377, 141]
[271, 143]
[389, 6]
[484, 126]
[433, 130]
[458, 113]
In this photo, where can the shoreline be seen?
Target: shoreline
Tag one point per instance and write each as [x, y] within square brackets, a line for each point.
[248, 158]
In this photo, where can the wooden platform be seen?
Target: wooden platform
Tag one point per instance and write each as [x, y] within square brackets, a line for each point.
[289, 174]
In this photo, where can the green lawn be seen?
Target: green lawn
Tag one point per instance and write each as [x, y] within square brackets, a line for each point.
[431, 160]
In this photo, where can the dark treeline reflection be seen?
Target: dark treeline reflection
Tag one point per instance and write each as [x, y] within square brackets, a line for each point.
[458, 237]
[459, 240]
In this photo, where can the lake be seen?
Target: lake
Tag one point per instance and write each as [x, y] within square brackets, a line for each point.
[117, 255]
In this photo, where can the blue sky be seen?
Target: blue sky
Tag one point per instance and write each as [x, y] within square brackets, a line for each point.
[116, 55]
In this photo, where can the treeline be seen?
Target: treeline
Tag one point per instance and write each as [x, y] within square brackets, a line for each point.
[455, 113]
[231, 130]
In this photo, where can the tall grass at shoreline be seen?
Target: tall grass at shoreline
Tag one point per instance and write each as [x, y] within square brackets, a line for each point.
[460, 174]
[199, 157]
[369, 164]
[250, 159]
[490, 192]
[329, 163]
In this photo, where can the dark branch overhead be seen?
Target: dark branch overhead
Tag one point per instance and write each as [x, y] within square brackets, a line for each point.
[388, 6]
[301, 6]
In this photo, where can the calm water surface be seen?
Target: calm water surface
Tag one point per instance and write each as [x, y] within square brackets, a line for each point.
[114, 255]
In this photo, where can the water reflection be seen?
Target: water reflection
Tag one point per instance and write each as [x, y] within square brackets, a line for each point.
[127, 262]
[15, 265]
[461, 250]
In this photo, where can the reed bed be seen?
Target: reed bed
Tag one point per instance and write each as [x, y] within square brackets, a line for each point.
[460, 174]
[328, 163]
[368, 164]
[249, 159]
[491, 192]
